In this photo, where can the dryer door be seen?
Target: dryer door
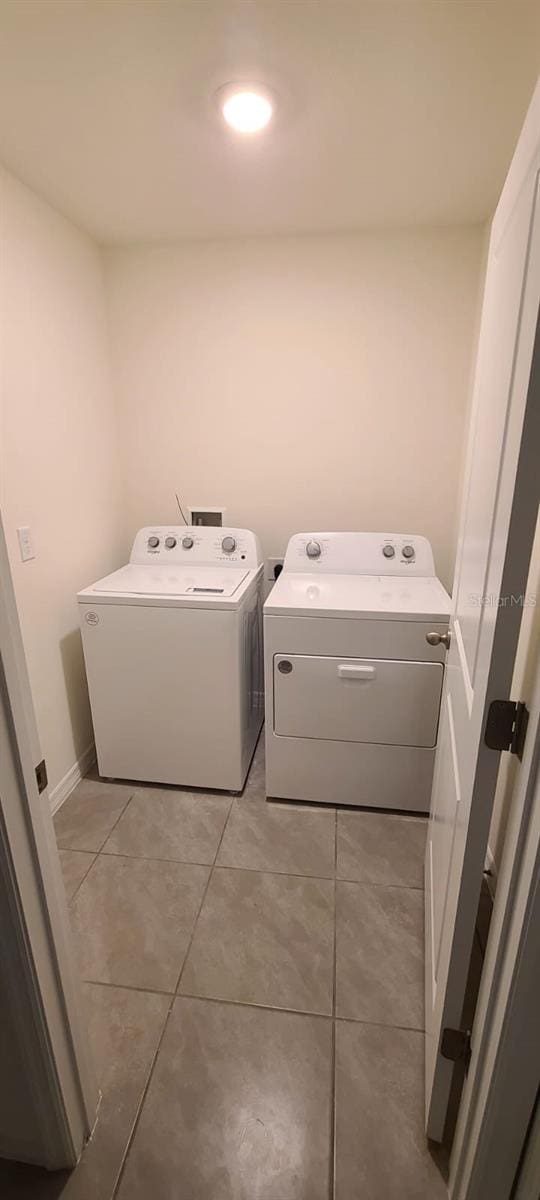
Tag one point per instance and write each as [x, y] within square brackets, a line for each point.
[357, 699]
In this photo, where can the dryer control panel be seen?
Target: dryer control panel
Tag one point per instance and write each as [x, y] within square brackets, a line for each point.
[185, 544]
[360, 554]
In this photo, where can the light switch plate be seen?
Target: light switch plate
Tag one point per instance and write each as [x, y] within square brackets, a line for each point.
[25, 543]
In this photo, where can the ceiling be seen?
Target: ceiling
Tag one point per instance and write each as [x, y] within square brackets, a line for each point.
[390, 113]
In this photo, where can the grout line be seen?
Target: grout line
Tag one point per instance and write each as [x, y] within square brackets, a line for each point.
[292, 1012]
[196, 921]
[222, 866]
[179, 862]
[227, 819]
[380, 1024]
[89, 868]
[295, 1012]
[142, 1099]
[127, 987]
[119, 818]
[365, 883]
[410, 887]
[332, 1153]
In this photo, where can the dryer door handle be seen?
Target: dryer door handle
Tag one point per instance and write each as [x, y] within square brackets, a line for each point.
[356, 671]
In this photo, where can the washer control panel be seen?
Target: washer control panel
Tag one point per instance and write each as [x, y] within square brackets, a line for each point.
[360, 554]
[208, 544]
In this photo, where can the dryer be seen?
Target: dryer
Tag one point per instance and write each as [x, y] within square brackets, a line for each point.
[355, 634]
[173, 651]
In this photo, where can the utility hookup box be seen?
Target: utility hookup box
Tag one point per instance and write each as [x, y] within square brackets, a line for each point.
[199, 515]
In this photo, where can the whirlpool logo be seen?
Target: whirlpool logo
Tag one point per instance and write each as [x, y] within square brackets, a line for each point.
[91, 618]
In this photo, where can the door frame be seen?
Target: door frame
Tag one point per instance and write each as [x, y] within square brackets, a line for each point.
[42, 989]
[491, 1133]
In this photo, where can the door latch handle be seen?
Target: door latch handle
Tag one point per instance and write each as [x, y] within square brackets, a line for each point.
[438, 639]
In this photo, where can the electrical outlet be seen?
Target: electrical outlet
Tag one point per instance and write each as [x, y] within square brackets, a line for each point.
[25, 543]
[273, 568]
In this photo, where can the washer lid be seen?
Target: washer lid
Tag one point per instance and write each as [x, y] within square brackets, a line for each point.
[374, 596]
[202, 582]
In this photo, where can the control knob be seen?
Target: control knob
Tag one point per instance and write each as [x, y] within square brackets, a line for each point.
[153, 543]
[313, 550]
[408, 552]
[187, 542]
[228, 545]
[388, 551]
[170, 543]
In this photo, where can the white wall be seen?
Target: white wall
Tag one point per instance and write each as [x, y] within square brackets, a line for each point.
[59, 464]
[316, 382]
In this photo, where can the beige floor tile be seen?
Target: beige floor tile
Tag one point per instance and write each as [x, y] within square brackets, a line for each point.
[238, 1108]
[380, 954]
[381, 1149]
[274, 837]
[163, 823]
[264, 939]
[381, 848]
[133, 919]
[86, 818]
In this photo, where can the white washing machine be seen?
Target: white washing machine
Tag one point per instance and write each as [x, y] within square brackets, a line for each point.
[173, 651]
[354, 635]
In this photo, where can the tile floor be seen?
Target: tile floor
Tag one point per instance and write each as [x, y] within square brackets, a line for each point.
[253, 980]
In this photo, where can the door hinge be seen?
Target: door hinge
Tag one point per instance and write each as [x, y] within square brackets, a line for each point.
[456, 1045]
[41, 776]
[506, 726]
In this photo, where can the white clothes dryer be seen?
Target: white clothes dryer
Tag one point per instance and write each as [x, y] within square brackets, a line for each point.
[355, 633]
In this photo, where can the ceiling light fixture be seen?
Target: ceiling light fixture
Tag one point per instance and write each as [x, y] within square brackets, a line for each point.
[247, 108]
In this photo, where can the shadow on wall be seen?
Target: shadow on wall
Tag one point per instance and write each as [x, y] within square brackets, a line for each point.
[71, 654]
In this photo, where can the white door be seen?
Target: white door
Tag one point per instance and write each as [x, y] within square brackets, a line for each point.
[497, 526]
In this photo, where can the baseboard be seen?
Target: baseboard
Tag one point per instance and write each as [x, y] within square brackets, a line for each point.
[72, 778]
[491, 872]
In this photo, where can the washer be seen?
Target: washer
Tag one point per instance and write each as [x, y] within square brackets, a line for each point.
[354, 636]
[173, 651]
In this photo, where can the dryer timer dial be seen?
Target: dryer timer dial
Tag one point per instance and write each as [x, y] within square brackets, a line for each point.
[228, 545]
[313, 550]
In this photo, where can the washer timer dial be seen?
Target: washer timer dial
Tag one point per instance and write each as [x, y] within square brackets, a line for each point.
[408, 552]
[313, 550]
[228, 545]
